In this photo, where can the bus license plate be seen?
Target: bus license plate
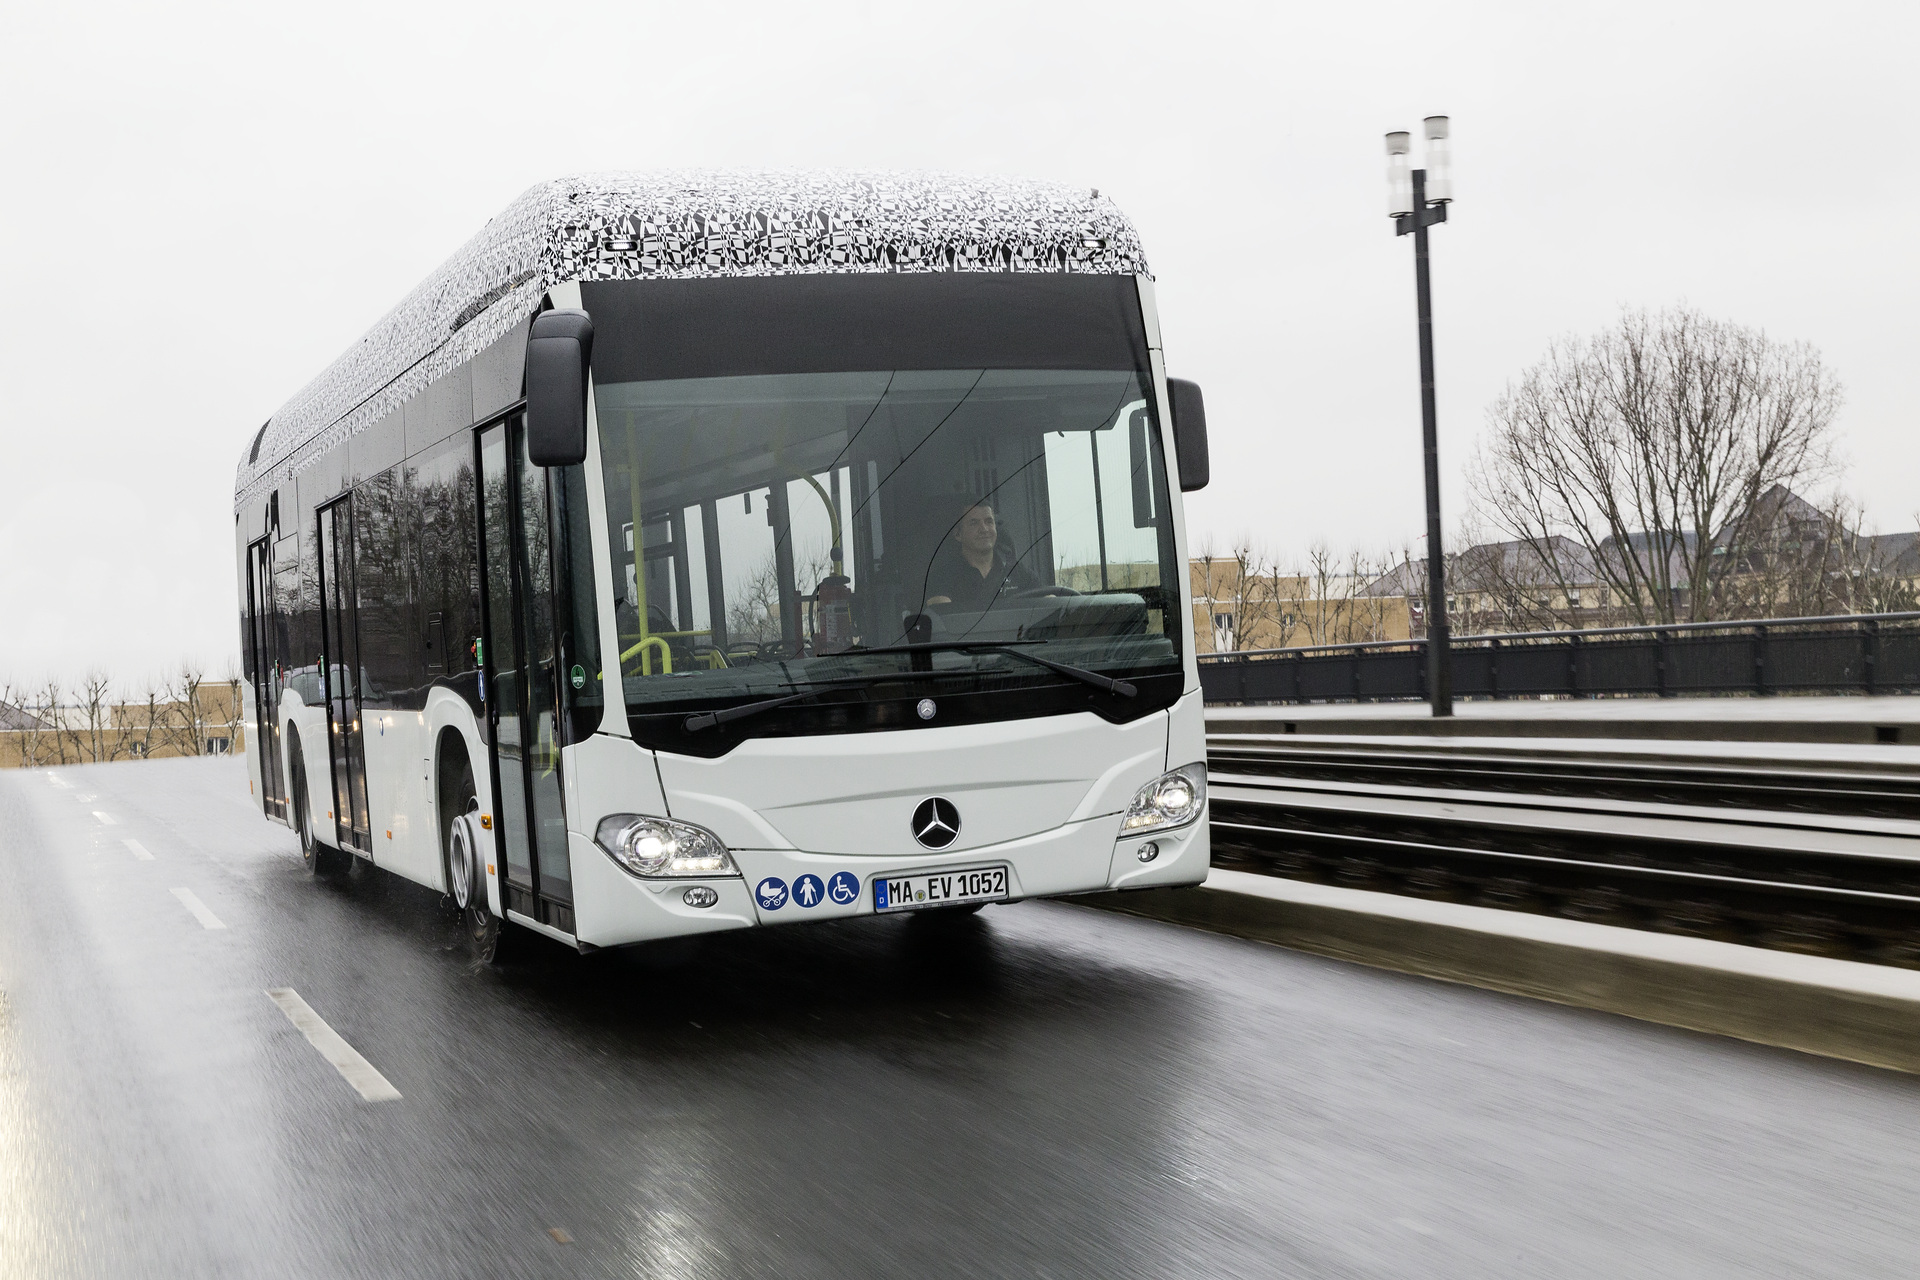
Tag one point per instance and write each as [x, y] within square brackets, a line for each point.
[940, 889]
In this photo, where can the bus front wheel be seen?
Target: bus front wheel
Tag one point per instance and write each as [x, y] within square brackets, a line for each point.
[466, 843]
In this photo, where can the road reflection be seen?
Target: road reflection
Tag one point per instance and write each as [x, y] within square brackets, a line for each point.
[890, 1096]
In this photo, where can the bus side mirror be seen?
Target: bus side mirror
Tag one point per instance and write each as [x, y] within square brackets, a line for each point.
[1189, 433]
[559, 351]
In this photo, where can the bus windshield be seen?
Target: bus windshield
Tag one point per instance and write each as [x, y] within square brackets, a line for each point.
[769, 531]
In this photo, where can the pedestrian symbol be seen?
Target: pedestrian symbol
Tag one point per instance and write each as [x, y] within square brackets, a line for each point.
[807, 891]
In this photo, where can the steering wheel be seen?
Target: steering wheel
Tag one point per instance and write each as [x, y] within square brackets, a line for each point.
[1052, 589]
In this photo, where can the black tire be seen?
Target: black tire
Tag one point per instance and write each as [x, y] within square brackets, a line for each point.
[318, 858]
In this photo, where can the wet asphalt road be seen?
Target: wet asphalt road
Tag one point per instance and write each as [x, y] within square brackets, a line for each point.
[1043, 1090]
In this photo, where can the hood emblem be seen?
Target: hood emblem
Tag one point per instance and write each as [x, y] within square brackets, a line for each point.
[936, 823]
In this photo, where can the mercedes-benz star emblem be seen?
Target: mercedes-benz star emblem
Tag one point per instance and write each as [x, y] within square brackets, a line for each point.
[936, 823]
[926, 708]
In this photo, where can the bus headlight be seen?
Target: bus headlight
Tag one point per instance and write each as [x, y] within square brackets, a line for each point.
[1170, 800]
[662, 847]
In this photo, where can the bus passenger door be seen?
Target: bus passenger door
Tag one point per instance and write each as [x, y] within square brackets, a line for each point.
[263, 634]
[522, 688]
[340, 635]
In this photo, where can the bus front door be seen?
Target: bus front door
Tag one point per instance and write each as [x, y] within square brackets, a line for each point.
[340, 635]
[522, 689]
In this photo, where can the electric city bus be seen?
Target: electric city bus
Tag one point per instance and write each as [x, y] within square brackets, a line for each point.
[697, 551]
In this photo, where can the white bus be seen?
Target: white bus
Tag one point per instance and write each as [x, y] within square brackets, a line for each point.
[696, 551]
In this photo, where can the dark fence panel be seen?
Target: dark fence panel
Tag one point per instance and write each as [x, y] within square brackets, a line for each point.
[1619, 664]
[1876, 653]
[1896, 662]
[1395, 674]
[1526, 668]
[1713, 663]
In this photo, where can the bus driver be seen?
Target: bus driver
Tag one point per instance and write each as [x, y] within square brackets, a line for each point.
[971, 572]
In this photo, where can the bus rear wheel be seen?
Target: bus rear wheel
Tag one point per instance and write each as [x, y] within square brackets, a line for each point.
[317, 858]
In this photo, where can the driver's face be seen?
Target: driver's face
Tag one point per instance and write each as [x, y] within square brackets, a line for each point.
[978, 530]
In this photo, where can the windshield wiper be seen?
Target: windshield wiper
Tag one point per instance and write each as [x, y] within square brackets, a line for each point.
[1014, 648]
[708, 719]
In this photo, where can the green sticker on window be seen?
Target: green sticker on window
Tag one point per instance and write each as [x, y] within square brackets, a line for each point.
[579, 674]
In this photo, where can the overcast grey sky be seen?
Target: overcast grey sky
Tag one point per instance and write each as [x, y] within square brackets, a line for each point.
[206, 204]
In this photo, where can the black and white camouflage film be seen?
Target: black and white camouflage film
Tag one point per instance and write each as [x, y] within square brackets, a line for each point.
[683, 225]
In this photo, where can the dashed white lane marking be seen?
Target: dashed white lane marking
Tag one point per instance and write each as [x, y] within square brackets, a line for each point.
[106, 819]
[138, 850]
[353, 1068]
[191, 902]
[58, 781]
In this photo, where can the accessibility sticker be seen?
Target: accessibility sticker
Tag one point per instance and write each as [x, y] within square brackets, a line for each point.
[807, 891]
[843, 888]
[772, 893]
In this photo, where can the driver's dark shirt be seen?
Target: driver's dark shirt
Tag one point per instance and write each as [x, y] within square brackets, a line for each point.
[971, 591]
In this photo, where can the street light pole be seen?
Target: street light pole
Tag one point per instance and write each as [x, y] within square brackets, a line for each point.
[1418, 200]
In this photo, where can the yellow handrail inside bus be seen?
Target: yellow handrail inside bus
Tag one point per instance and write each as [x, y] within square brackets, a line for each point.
[714, 658]
[833, 518]
[647, 643]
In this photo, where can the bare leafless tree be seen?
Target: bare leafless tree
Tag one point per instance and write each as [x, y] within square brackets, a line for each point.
[1310, 590]
[1205, 587]
[28, 724]
[187, 710]
[52, 746]
[1330, 597]
[1802, 561]
[1370, 610]
[1259, 620]
[145, 722]
[1648, 444]
[91, 729]
[753, 604]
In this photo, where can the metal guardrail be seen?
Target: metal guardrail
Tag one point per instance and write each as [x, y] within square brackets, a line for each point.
[1851, 653]
[1806, 855]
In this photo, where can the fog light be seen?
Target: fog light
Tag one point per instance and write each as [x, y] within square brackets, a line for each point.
[1148, 852]
[700, 896]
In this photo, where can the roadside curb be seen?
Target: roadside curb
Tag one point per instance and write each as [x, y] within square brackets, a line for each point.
[1836, 1008]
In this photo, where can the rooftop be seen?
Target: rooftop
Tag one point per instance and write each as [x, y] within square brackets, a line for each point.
[683, 225]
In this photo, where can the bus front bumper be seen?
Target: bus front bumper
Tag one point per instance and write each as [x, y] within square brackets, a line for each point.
[789, 886]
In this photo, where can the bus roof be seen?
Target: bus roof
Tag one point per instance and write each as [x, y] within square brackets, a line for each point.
[682, 225]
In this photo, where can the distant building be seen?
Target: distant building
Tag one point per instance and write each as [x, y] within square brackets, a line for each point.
[1782, 557]
[208, 720]
[1236, 607]
[18, 718]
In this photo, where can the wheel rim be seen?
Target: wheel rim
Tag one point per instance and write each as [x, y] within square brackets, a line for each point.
[460, 863]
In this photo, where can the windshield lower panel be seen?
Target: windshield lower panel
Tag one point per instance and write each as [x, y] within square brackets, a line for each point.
[766, 529]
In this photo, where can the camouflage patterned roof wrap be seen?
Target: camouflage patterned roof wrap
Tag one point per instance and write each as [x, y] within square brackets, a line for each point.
[683, 225]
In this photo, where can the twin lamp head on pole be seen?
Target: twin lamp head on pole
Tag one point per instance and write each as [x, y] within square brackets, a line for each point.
[1439, 168]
